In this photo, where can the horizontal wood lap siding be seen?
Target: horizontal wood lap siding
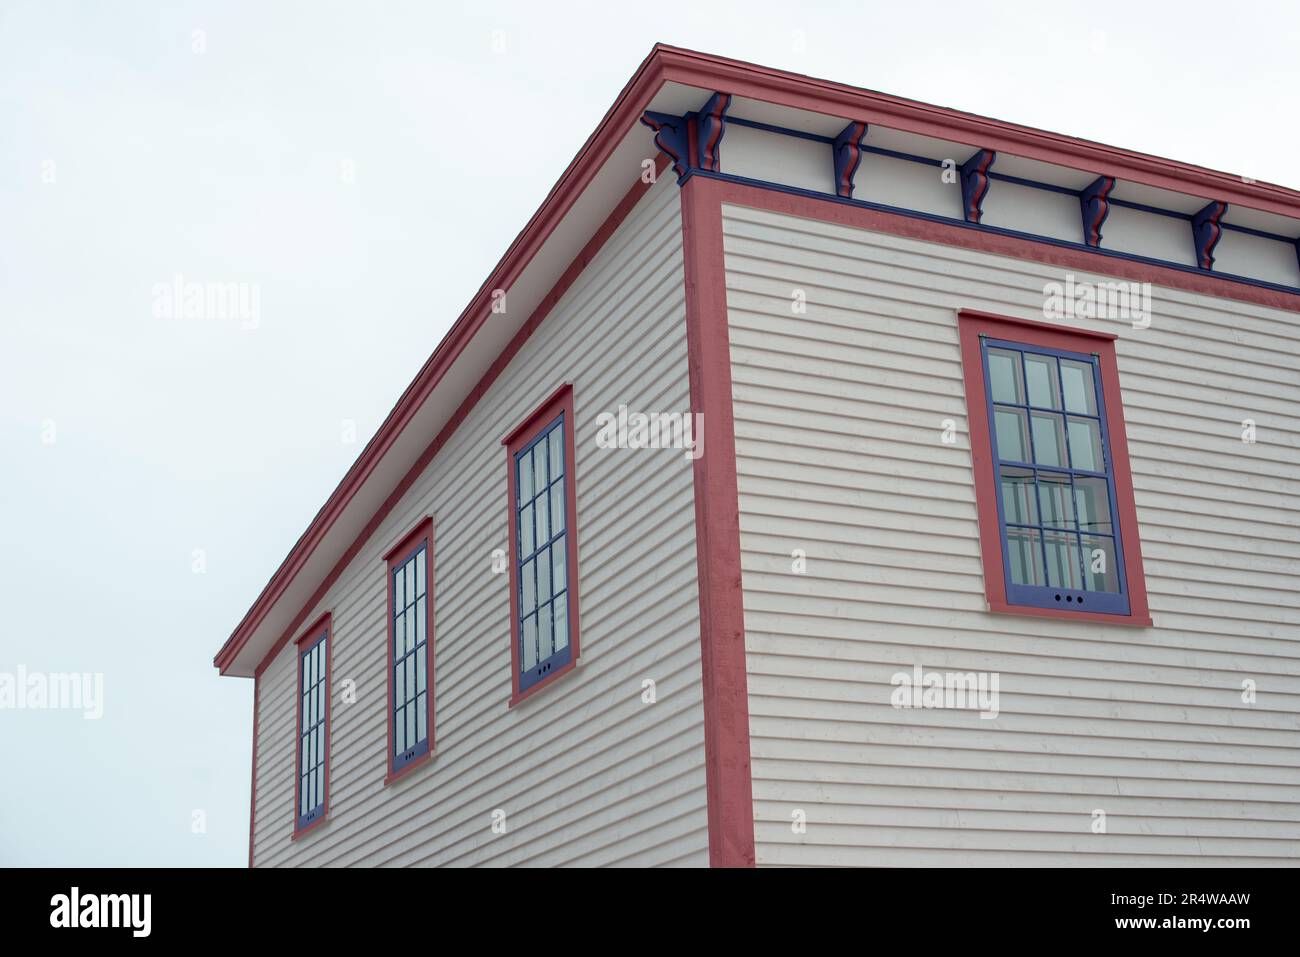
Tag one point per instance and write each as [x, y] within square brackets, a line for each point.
[585, 772]
[839, 413]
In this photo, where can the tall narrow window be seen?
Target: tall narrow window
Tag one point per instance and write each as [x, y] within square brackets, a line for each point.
[543, 546]
[410, 650]
[1052, 477]
[313, 707]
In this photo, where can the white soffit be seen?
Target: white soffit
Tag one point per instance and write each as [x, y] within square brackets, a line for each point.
[805, 121]
[1258, 219]
[1159, 198]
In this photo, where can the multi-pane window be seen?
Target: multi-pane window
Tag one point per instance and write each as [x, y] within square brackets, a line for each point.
[410, 651]
[1056, 496]
[541, 560]
[544, 632]
[313, 726]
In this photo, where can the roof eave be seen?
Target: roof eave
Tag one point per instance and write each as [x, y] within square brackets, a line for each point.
[667, 64]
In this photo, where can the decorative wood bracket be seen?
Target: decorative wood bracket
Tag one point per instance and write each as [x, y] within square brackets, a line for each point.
[692, 140]
[1094, 203]
[975, 184]
[1206, 232]
[672, 135]
[848, 156]
[712, 119]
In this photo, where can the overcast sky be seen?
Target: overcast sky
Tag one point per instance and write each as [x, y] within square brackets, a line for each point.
[364, 165]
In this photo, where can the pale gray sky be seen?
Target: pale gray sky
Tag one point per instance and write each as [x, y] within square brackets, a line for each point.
[126, 157]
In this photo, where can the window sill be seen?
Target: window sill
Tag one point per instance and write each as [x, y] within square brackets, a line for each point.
[419, 762]
[299, 833]
[546, 682]
[1131, 621]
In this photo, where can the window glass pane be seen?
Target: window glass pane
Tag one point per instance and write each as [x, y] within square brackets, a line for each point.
[525, 478]
[1018, 496]
[556, 441]
[1092, 499]
[320, 785]
[529, 641]
[1102, 574]
[1012, 435]
[1085, 445]
[421, 717]
[1077, 383]
[543, 575]
[318, 703]
[399, 684]
[527, 587]
[410, 677]
[540, 455]
[421, 669]
[560, 611]
[546, 647]
[1054, 494]
[1024, 552]
[411, 739]
[421, 621]
[1044, 390]
[410, 583]
[1005, 381]
[421, 580]
[1049, 440]
[399, 731]
[557, 508]
[559, 568]
[311, 791]
[1075, 545]
[399, 589]
[543, 514]
[302, 795]
[526, 545]
[1062, 560]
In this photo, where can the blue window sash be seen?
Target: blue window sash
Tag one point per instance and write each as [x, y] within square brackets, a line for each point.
[421, 747]
[1048, 596]
[307, 816]
[557, 659]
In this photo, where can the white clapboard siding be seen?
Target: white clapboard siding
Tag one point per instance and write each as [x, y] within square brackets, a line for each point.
[839, 413]
[586, 772]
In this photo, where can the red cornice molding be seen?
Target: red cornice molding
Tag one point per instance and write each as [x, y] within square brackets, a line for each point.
[829, 209]
[837, 99]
